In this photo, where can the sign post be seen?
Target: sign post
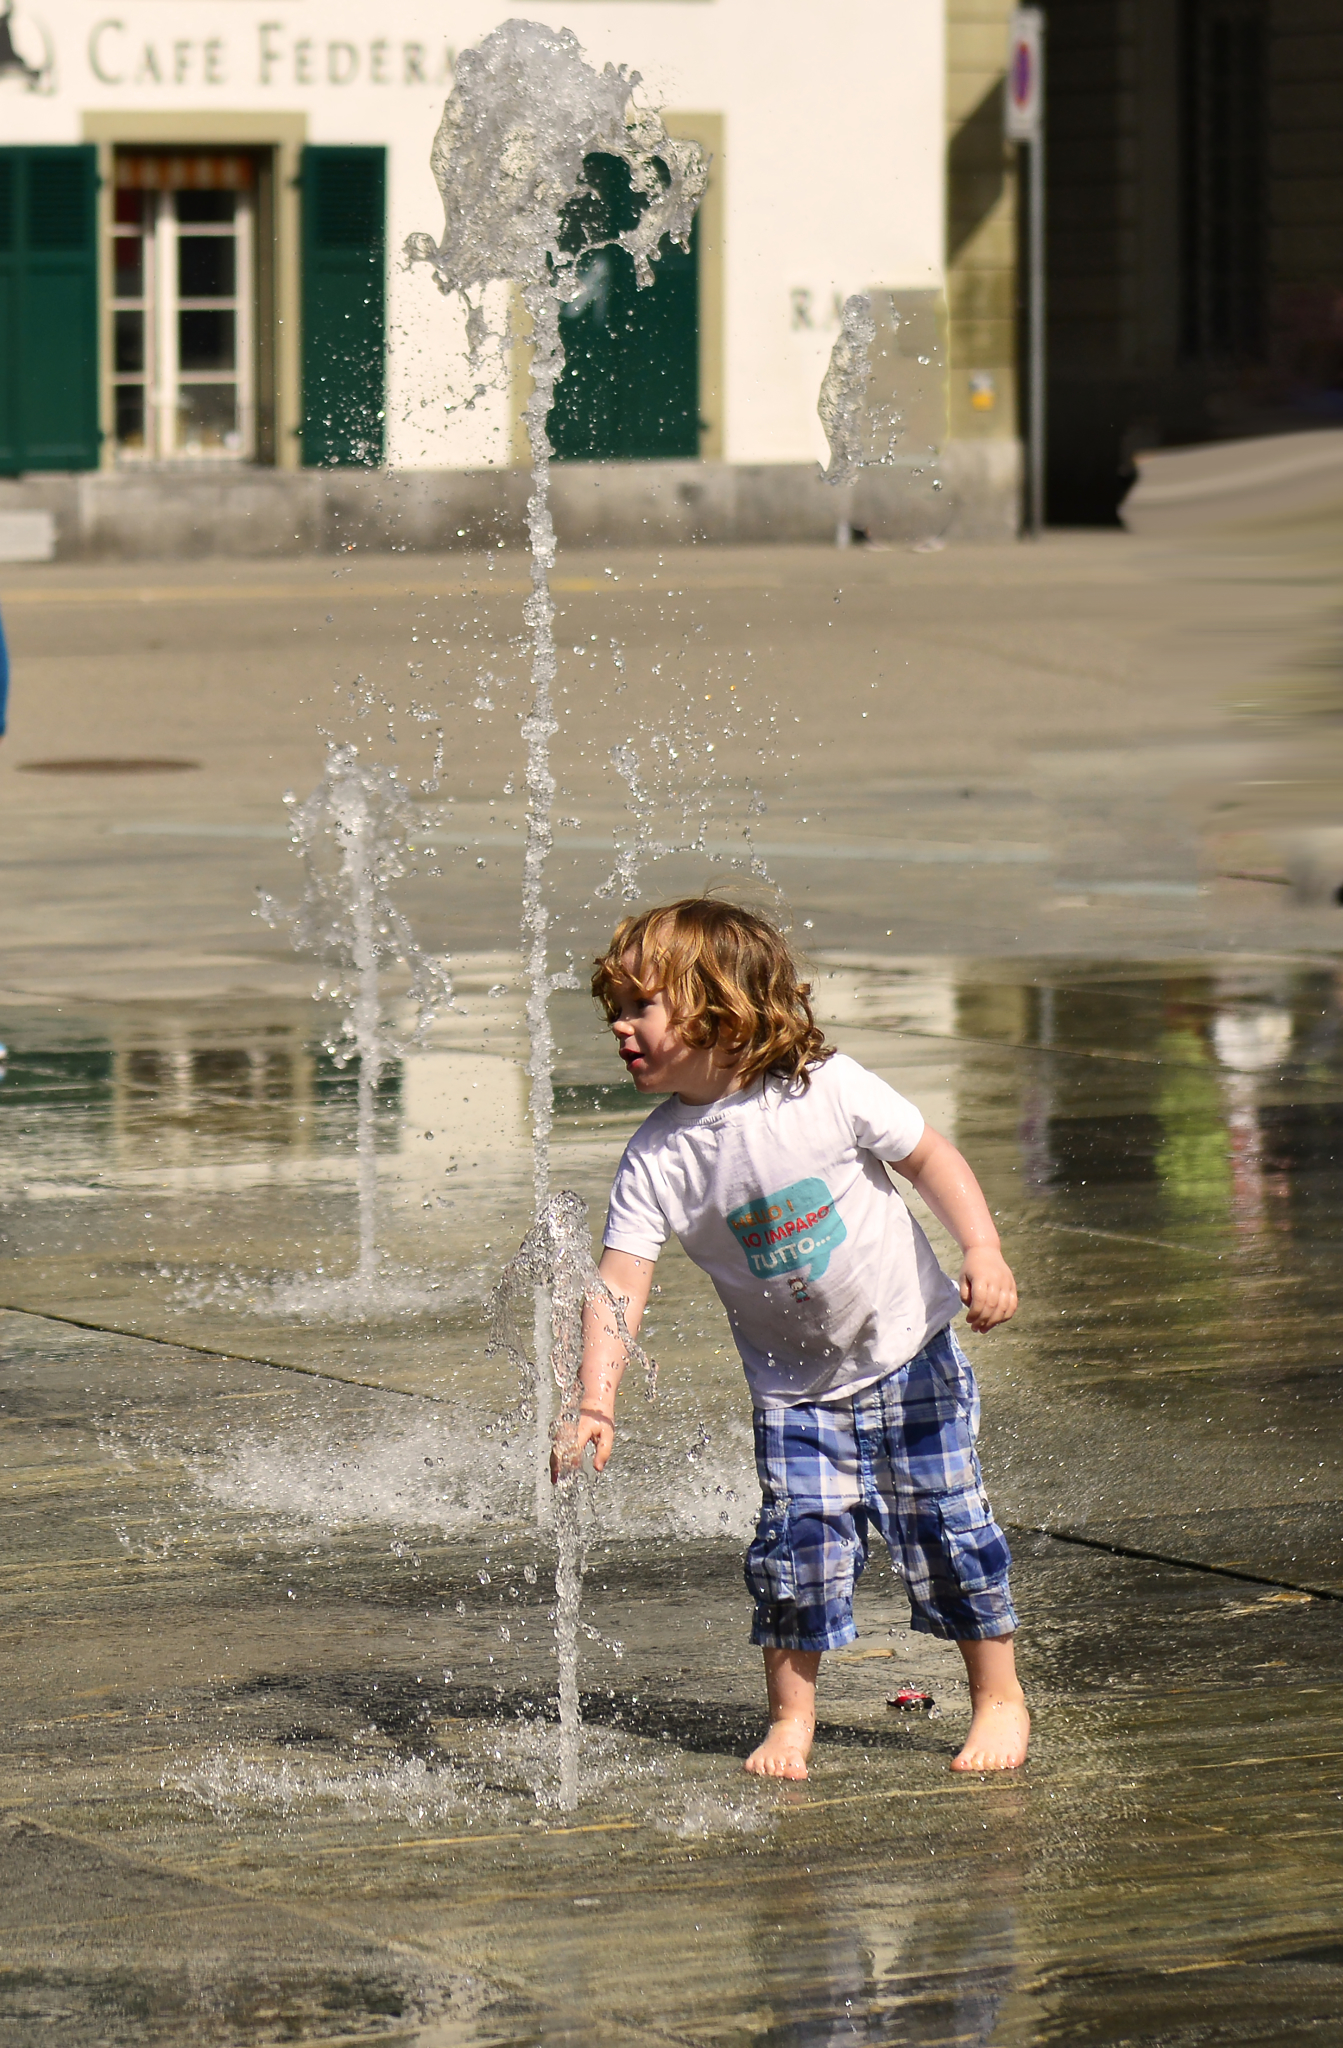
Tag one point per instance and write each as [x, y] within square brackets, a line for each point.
[1024, 121]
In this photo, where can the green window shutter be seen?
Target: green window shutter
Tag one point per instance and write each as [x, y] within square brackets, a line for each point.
[344, 305]
[48, 309]
[630, 386]
[10, 311]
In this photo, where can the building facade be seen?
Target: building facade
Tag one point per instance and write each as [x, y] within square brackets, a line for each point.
[204, 203]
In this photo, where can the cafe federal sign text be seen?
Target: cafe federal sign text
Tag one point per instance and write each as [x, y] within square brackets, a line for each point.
[121, 54]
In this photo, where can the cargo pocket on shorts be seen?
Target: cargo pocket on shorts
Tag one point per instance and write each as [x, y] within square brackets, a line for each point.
[771, 1571]
[956, 1373]
[974, 1546]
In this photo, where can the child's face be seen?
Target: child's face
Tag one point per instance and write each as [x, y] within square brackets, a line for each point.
[656, 1057]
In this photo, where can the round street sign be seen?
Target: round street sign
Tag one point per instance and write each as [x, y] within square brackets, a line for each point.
[1024, 99]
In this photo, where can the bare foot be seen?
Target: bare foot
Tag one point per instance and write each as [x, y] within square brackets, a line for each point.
[999, 1734]
[784, 1751]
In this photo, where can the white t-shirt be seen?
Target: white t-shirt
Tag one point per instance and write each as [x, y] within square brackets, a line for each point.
[779, 1194]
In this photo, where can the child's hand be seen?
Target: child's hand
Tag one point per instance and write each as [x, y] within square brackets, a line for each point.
[572, 1439]
[987, 1287]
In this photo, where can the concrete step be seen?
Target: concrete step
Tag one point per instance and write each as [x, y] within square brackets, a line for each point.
[163, 511]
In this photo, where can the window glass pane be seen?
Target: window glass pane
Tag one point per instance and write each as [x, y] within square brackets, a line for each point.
[130, 399]
[206, 206]
[205, 341]
[207, 418]
[128, 265]
[128, 208]
[206, 267]
[129, 351]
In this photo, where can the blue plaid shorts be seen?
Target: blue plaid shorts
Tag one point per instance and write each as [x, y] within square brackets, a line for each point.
[900, 1455]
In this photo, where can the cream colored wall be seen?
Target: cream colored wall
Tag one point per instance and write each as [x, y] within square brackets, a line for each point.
[829, 127]
[831, 182]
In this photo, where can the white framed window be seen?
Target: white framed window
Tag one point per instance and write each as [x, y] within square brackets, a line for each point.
[183, 307]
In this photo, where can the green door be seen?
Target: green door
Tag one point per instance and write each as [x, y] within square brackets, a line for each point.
[48, 309]
[630, 386]
[344, 305]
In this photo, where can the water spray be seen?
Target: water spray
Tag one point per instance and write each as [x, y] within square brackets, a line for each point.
[525, 111]
[354, 836]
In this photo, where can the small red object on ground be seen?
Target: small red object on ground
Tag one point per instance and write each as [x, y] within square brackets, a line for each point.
[910, 1700]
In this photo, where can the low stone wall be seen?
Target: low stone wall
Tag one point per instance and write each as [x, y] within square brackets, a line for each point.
[1221, 484]
[132, 514]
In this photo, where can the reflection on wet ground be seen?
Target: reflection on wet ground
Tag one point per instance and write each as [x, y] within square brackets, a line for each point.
[278, 1762]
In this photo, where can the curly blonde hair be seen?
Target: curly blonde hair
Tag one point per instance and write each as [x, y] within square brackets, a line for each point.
[730, 980]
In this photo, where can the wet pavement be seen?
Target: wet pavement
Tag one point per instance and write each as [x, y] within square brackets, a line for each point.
[278, 1757]
[279, 1727]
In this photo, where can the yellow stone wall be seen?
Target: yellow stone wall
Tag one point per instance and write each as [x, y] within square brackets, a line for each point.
[981, 226]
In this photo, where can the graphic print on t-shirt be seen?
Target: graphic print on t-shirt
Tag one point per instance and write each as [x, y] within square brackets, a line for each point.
[792, 1233]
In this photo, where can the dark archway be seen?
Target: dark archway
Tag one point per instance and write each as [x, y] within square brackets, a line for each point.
[1195, 239]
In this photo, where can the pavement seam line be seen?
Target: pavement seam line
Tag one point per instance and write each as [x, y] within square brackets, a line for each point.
[1187, 1564]
[1160, 1244]
[311, 1372]
[592, 1827]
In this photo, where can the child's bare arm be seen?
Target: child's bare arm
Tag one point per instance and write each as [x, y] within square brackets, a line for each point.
[629, 1279]
[944, 1180]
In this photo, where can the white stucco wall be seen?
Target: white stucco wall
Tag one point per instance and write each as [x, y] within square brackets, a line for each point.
[832, 171]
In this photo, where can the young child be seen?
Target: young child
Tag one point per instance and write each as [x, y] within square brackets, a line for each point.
[768, 1162]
